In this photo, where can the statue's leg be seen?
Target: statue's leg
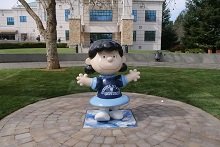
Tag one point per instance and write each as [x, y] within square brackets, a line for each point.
[116, 113]
[103, 114]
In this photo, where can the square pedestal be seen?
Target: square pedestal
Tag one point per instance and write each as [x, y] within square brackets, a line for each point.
[127, 121]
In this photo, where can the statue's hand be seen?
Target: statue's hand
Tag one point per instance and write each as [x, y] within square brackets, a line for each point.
[82, 79]
[135, 75]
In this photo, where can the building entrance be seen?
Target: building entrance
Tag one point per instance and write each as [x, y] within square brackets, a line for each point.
[98, 36]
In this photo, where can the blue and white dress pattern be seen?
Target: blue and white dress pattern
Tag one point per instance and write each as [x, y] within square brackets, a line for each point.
[109, 94]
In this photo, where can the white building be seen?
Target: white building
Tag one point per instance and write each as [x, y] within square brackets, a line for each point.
[136, 23]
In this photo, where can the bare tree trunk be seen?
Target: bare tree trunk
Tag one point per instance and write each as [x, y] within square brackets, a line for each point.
[50, 33]
[52, 55]
[51, 36]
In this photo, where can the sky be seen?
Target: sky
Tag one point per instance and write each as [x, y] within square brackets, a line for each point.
[175, 9]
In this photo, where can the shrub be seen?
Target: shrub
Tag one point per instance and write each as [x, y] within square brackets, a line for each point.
[62, 45]
[217, 44]
[176, 48]
[11, 45]
[196, 50]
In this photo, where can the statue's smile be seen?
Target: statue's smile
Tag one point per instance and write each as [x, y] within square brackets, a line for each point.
[108, 68]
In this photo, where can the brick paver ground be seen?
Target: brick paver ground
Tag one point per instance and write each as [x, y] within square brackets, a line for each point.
[58, 122]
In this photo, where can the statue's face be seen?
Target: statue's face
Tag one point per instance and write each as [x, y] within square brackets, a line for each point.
[106, 62]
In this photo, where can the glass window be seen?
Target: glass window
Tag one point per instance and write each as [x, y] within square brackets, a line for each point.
[45, 16]
[134, 35]
[97, 36]
[100, 15]
[149, 35]
[10, 21]
[7, 36]
[67, 13]
[150, 15]
[134, 12]
[67, 32]
[23, 19]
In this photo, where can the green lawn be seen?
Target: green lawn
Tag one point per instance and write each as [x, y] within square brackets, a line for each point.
[36, 51]
[198, 87]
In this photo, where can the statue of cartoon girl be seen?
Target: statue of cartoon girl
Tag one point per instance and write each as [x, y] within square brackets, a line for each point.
[106, 58]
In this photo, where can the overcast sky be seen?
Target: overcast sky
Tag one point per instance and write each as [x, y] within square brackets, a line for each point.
[175, 9]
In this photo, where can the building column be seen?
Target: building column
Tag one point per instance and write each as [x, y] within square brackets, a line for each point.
[75, 23]
[75, 32]
[117, 36]
[127, 24]
[127, 31]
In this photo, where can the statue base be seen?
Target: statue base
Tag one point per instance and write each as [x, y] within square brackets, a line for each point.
[127, 121]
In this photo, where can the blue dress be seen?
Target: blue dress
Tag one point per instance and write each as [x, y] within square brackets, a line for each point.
[109, 94]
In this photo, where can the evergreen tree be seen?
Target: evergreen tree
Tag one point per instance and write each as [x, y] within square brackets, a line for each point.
[169, 37]
[202, 24]
[178, 26]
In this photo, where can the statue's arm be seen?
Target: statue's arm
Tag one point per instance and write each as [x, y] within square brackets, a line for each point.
[133, 75]
[84, 80]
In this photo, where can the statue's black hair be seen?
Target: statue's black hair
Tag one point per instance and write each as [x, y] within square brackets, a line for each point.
[104, 45]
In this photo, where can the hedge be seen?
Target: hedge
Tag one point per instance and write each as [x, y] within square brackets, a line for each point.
[195, 50]
[11, 45]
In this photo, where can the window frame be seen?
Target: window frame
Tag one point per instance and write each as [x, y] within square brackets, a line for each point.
[10, 21]
[150, 37]
[134, 12]
[150, 15]
[23, 18]
[67, 13]
[97, 36]
[134, 35]
[101, 15]
[45, 16]
[67, 35]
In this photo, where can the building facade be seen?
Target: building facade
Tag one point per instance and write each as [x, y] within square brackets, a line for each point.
[135, 23]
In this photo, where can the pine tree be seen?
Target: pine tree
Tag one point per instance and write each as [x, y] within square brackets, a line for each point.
[202, 24]
[178, 26]
[169, 37]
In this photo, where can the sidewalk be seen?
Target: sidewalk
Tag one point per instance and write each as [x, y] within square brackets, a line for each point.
[82, 63]
[58, 122]
[38, 64]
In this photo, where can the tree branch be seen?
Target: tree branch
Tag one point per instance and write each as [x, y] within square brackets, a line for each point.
[34, 16]
[43, 4]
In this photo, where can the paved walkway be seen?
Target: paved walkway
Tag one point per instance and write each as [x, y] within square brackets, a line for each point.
[58, 122]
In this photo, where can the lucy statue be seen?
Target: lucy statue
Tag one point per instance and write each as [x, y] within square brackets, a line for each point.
[106, 58]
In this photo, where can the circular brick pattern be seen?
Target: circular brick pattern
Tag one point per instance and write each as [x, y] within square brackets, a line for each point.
[58, 122]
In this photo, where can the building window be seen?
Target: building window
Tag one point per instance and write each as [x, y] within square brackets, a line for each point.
[67, 32]
[97, 36]
[23, 19]
[134, 35]
[100, 15]
[149, 35]
[134, 12]
[150, 15]
[23, 36]
[10, 21]
[7, 36]
[45, 16]
[67, 13]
